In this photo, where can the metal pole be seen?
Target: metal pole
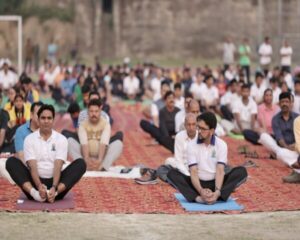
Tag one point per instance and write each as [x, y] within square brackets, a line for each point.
[260, 21]
[20, 30]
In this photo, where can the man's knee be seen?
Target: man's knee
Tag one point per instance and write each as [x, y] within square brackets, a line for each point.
[11, 162]
[240, 173]
[80, 165]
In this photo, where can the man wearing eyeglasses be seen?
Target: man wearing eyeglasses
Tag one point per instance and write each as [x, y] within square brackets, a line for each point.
[206, 159]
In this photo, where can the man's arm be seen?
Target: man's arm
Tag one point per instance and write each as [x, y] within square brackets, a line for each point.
[218, 184]
[2, 136]
[56, 177]
[253, 119]
[32, 165]
[238, 121]
[162, 124]
[204, 193]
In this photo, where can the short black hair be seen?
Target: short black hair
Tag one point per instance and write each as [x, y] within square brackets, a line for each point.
[285, 95]
[73, 108]
[268, 90]
[164, 82]
[95, 102]
[209, 118]
[85, 89]
[259, 75]
[26, 80]
[274, 80]
[297, 82]
[245, 85]
[177, 85]
[94, 93]
[35, 104]
[188, 95]
[45, 107]
[18, 95]
[168, 93]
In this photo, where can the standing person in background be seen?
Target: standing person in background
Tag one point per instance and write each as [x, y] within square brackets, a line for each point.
[245, 61]
[52, 51]
[265, 52]
[228, 52]
[286, 53]
[29, 51]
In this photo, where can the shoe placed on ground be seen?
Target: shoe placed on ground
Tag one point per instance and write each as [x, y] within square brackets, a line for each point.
[251, 155]
[149, 176]
[294, 177]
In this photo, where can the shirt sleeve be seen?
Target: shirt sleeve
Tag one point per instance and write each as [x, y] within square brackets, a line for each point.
[276, 128]
[222, 154]
[19, 141]
[106, 134]
[154, 110]
[254, 108]
[162, 124]
[83, 139]
[191, 156]
[62, 149]
[297, 133]
[29, 153]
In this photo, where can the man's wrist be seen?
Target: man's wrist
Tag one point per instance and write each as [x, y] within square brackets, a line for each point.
[54, 186]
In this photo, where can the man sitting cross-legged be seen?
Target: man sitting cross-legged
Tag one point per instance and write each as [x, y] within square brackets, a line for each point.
[94, 135]
[45, 152]
[207, 158]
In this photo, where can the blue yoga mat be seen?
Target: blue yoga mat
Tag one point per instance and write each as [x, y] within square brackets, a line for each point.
[218, 206]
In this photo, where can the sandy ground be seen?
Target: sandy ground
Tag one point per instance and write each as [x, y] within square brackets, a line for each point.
[277, 225]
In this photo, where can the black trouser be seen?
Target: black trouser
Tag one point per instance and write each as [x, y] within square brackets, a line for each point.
[183, 183]
[227, 114]
[247, 71]
[251, 136]
[69, 176]
[167, 141]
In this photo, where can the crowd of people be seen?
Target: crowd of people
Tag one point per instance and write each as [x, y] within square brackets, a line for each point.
[190, 110]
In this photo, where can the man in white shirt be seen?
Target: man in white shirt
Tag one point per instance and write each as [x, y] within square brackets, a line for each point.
[244, 111]
[131, 85]
[7, 77]
[228, 100]
[265, 52]
[258, 88]
[207, 159]
[210, 98]
[198, 87]
[45, 152]
[190, 105]
[155, 85]
[228, 52]
[286, 53]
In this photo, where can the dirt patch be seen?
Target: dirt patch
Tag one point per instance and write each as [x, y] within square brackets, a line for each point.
[277, 225]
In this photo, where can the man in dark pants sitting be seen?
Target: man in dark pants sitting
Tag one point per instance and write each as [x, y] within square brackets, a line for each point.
[207, 158]
[45, 152]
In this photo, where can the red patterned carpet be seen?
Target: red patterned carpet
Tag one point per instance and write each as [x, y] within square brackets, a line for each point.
[264, 190]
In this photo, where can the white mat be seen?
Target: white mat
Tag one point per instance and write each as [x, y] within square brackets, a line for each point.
[114, 172]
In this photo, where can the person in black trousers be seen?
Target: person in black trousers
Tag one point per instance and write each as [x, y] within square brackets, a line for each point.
[45, 152]
[207, 158]
[165, 133]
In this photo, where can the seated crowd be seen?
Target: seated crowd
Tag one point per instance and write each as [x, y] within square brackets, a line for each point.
[190, 110]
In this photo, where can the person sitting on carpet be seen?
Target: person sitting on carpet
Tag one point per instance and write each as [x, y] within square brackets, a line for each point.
[4, 118]
[94, 135]
[165, 133]
[265, 113]
[207, 158]
[45, 152]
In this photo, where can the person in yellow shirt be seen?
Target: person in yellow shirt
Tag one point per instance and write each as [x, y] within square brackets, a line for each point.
[20, 113]
[11, 98]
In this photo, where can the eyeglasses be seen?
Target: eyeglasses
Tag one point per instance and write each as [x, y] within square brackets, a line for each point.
[202, 128]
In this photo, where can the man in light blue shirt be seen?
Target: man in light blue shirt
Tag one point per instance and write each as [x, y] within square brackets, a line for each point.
[24, 130]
